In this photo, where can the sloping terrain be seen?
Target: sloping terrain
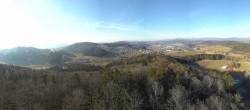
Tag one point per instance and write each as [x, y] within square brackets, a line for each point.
[236, 46]
[26, 56]
[148, 81]
[88, 49]
[128, 45]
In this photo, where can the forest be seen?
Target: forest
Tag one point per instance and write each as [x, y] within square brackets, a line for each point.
[236, 46]
[198, 57]
[168, 85]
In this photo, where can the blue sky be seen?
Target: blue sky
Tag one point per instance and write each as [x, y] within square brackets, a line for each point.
[46, 23]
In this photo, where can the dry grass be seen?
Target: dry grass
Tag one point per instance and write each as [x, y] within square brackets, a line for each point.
[213, 64]
[217, 49]
[95, 60]
[45, 66]
[217, 64]
[240, 56]
[245, 66]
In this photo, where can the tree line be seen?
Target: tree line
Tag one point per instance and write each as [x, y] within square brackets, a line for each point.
[198, 57]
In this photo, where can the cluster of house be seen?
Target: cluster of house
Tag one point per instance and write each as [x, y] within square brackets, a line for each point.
[155, 47]
[124, 50]
[233, 66]
[171, 46]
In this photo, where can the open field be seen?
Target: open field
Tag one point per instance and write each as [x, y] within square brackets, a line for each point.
[245, 66]
[218, 64]
[45, 66]
[217, 49]
[95, 60]
[213, 64]
[236, 55]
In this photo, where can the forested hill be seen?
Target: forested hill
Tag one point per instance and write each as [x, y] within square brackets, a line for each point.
[104, 49]
[198, 57]
[149, 81]
[89, 49]
[25, 56]
[124, 44]
[236, 46]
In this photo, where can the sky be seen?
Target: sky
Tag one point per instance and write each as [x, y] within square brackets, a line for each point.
[49, 23]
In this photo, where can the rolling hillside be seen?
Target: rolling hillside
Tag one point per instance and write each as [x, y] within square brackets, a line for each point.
[25, 56]
[88, 49]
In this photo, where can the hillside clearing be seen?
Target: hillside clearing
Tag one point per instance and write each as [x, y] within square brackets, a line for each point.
[216, 49]
[213, 64]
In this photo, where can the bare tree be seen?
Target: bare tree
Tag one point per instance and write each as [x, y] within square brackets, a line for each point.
[195, 83]
[219, 86]
[208, 82]
[218, 103]
[155, 91]
[178, 96]
[189, 106]
[110, 95]
[76, 100]
[233, 106]
[134, 101]
[201, 106]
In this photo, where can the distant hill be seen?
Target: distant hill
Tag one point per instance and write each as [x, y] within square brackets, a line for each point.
[236, 46]
[211, 39]
[59, 57]
[89, 49]
[5, 51]
[124, 44]
[24, 56]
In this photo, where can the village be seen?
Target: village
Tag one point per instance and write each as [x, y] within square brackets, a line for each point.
[157, 47]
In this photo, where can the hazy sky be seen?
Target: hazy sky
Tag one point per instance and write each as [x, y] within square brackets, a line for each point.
[45, 23]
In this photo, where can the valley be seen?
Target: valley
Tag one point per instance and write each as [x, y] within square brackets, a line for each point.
[125, 55]
[160, 61]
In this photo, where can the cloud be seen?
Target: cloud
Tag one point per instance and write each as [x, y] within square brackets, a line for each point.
[116, 27]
